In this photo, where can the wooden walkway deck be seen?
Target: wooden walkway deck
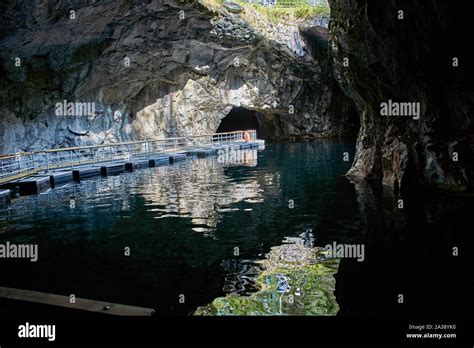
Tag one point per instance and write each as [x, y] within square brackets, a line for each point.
[79, 303]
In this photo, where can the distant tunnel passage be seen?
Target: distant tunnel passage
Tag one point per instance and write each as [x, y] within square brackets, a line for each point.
[240, 119]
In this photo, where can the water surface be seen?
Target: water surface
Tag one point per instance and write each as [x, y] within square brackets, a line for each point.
[194, 228]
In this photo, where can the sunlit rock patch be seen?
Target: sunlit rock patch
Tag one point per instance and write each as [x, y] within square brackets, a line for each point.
[155, 70]
[297, 279]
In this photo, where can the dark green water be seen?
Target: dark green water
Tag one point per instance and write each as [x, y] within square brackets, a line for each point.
[182, 224]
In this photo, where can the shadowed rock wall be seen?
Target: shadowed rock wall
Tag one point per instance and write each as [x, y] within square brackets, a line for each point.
[408, 56]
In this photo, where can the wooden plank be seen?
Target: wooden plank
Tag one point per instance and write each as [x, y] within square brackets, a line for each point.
[18, 176]
[80, 303]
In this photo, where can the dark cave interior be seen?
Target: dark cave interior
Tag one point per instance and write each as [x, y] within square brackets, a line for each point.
[240, 118]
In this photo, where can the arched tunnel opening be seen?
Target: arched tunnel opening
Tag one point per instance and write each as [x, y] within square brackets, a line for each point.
[240, 118]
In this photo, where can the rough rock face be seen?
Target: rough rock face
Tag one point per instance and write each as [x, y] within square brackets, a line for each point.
[151, 69]
[408, 57]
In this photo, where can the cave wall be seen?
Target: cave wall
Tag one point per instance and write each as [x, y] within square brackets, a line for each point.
[408, 57]
[152, 69]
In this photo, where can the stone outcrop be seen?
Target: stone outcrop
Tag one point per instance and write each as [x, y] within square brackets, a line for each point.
[152, 70]
[416, 55]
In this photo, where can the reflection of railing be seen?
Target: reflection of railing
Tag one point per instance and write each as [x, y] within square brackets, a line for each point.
[20, 165]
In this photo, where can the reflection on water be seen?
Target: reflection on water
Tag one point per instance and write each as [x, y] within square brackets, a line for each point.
[197, 190]
[183, 224]
[296, 279]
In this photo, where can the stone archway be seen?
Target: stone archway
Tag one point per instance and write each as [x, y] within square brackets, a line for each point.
[240, 118]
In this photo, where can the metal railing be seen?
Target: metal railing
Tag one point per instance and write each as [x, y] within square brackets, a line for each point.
[21, 165]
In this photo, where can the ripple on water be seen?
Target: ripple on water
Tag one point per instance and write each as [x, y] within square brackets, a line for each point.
[182, 224]
[295, 279]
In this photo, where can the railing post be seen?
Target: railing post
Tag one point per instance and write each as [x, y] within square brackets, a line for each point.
[47, 160]
[18, 156]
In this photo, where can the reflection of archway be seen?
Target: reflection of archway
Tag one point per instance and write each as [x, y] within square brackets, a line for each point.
[239, 119]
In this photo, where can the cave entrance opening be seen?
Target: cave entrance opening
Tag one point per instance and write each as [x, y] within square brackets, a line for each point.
[240, 118]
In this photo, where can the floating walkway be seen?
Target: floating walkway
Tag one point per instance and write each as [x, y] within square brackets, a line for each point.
[35, 172]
